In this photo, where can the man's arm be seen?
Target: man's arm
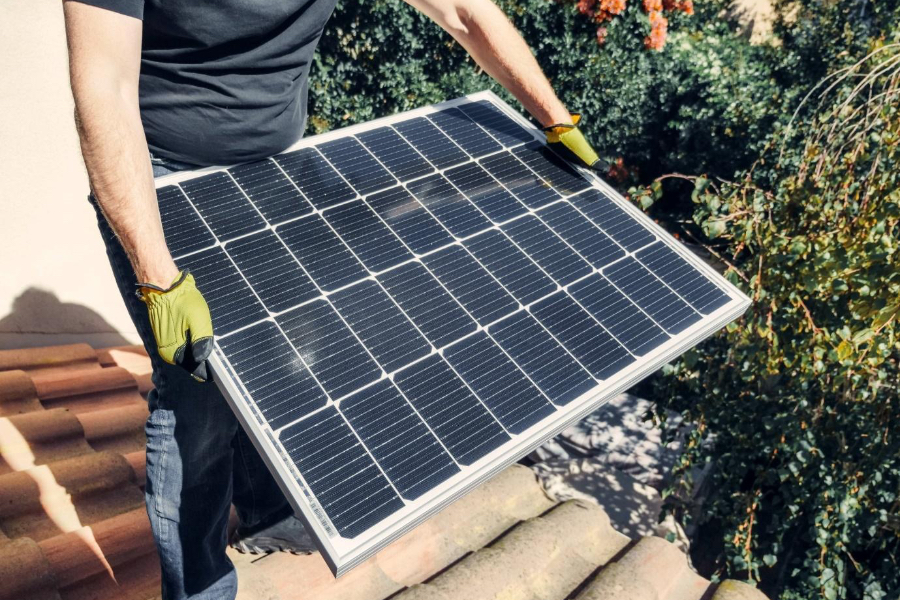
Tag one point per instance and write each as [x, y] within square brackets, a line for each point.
[104, 63]
[488, 36]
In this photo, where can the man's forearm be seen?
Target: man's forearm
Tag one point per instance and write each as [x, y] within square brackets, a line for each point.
[112, 136]
[489, 37]
[115, 154]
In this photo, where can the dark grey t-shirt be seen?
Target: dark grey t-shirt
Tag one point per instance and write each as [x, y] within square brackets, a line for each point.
[224, 81]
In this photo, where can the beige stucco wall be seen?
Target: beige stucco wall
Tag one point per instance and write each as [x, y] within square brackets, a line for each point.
[55, 283]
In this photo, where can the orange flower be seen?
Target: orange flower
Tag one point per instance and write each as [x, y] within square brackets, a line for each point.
[613, 7]
[658, 26]
[653, 5]
[601, 35]
[686, 6]
[586, 7]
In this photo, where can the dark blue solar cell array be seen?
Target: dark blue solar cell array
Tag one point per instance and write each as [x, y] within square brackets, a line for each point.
[485, 192]
[370, 239]
[329, 348]
[450, 207]
[510, 266]
[223, 205]
[183, 230]
[271, 191]
[547, 249]
[349, 486]
[395, 153]
[409, 453]
[271, 271]
[325, 257]
[400, 302]
[462, 130]
[357, 165]
[315, 177]
[533, 191]
[449, 407]
[471, 284]
[271, 370]
[428, 304]
[391, 338]
[510, 396]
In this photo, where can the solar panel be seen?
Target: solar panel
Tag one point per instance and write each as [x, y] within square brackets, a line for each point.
[404, 307]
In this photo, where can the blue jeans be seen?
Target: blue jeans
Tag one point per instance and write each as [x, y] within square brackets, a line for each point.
[199, 461]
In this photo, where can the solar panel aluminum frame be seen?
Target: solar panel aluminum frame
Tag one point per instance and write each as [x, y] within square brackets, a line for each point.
[342, 554]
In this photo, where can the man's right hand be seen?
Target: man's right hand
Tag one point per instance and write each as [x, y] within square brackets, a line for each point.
[182, 326]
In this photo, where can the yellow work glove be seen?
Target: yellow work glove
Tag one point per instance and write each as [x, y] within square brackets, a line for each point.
[568, 140]
[181, 324]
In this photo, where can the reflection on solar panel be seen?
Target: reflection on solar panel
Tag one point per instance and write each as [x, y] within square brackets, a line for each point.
[404, 307]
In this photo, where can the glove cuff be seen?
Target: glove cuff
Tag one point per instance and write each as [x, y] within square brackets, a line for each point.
[182, 277]
[553, 132]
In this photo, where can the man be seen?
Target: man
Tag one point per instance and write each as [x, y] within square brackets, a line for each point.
[203, 83]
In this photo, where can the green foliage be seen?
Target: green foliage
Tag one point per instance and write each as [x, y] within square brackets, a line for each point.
[798, 402]
[699, 104]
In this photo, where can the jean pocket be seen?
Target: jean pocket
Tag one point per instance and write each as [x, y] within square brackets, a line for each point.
[163, 487]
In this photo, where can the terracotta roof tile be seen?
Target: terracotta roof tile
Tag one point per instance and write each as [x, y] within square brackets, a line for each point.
[72, 515]
[49, 360]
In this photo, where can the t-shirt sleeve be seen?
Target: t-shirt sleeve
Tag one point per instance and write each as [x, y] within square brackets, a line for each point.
[130, 8]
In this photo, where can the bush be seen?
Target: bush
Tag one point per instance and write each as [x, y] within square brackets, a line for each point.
[701, 103]
[797, 403]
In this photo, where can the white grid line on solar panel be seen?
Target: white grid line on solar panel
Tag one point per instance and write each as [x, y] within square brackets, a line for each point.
[574, 228]
[287, 189]
[649, 283]
[548, 248]
[662, 256]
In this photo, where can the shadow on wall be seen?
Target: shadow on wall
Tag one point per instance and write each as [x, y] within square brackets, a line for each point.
[39, 318]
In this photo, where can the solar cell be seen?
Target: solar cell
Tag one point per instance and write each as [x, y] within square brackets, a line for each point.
[451, 208]
[183, 228]
[425, 137]
[325, 257]
[222, 205]
[533, 191]
[395, 153]
[315, 177]
[271, 191]
[407, 306]
[449, 407]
